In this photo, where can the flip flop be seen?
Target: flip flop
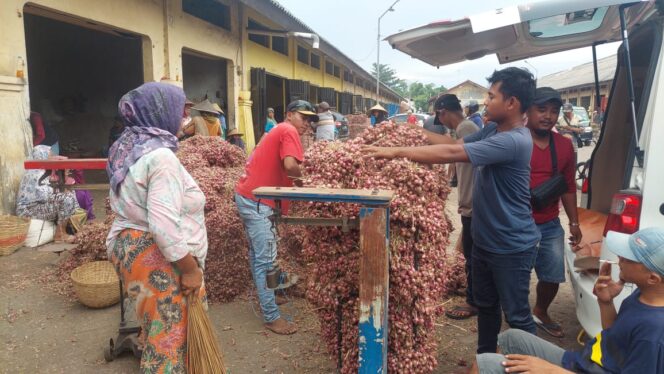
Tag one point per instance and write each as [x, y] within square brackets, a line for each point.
[554, 329]
[468, 311]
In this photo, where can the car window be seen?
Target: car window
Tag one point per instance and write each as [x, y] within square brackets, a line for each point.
[581, 113]
[567, 24]
[400, 118]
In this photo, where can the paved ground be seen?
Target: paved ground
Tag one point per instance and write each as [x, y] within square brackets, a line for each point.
[41, 332]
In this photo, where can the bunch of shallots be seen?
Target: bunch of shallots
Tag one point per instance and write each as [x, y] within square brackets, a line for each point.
[216, 166]
[419, 231]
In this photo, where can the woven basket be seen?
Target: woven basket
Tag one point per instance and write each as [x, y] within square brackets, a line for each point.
[96, 284]
[13, 231]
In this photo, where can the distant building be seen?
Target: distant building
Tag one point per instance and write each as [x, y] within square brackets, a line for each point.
[465, 91]
[577, 85]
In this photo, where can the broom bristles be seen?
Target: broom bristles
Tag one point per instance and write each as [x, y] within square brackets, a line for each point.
[204, 354]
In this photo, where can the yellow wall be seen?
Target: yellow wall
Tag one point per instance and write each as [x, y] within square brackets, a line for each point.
[165, 30]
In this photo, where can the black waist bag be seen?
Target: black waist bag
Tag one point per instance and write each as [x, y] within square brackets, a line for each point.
[553, 188]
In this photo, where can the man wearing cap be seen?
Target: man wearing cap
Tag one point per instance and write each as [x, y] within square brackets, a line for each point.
[450, 115]
[472, 113]
[325, 125]
[549, 264]
[568, 125]
[275, 162]
[632, 340]
[503, 230]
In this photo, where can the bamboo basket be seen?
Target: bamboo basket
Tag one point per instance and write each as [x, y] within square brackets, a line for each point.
[13, 231]
[96, 284]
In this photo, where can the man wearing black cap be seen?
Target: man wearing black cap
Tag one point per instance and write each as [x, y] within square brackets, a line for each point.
[450, 115]
[549, 265]
[275, 162]
[503, 230]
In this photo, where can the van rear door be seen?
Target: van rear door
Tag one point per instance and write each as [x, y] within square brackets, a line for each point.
[519, 32]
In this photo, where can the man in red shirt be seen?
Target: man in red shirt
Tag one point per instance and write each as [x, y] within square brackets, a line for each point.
[275, 162]
[549, 264]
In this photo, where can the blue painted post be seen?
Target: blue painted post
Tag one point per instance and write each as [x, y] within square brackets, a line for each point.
[374, 289]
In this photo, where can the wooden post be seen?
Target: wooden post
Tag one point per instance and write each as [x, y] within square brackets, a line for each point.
[374, 289]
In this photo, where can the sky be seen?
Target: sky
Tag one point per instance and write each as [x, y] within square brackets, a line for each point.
[352, 25]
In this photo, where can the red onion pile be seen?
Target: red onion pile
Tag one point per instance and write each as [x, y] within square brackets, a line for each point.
[216, 166]
[419, 231]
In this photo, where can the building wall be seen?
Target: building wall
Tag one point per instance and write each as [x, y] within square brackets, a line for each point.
[165, 31]
[468, 91]
[577, 93]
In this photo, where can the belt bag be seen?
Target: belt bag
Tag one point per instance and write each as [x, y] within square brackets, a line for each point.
[553, 188]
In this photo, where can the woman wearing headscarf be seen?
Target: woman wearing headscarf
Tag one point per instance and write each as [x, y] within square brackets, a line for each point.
[39, 201]
[158, 241]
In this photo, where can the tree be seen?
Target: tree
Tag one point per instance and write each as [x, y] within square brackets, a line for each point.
[420, 93]
[388, 77]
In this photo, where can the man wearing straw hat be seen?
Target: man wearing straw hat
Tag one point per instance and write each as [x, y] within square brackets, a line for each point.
[235, 137]
[378, 114]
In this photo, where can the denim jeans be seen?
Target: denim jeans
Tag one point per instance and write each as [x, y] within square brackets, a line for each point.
[467, 245]
[550, 263]
[501, 281]
[518, 342]
[262, 250]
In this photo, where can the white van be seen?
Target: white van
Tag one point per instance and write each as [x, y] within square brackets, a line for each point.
[626, 179]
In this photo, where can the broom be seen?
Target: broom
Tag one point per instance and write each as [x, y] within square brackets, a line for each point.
[203, 350]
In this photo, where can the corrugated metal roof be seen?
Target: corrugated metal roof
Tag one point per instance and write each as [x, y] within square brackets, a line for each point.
[581, 75]
[287, 20]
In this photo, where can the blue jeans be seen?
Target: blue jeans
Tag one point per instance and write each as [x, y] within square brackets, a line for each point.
[519, 342]
[262, 250]
[501, 281]
[550, 263]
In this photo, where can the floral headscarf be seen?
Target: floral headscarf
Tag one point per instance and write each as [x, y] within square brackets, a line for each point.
[30, 190]
[151, 114]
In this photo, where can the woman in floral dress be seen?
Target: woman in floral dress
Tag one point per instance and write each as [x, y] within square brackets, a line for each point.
[158, 241]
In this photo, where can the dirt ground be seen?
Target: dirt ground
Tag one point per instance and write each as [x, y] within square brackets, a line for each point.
[42, 332]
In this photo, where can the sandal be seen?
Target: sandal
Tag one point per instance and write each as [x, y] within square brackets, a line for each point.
[281, 327]
[554, 329]
[461, 312]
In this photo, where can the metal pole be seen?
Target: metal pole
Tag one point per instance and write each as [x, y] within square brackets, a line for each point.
[630, 78]
[378, 60]
[378, 51]
[598, 103]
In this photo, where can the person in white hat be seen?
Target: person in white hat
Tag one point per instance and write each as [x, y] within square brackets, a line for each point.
[632, 340]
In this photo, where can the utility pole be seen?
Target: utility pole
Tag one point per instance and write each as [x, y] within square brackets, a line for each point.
[390, 9]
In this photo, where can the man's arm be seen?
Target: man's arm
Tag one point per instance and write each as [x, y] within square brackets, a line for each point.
[569, 203]
[438, 138]
[428, 154]
[293, 171]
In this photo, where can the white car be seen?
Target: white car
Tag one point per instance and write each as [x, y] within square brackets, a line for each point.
[626, 178]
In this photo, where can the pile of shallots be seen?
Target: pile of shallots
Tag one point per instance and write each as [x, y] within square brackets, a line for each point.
[216, 166]
[419, 231]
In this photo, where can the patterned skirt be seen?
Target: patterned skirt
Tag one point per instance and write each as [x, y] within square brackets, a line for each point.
[151, 287]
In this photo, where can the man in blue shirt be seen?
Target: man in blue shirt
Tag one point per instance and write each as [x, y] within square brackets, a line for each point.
[503, 230]
[632, 340]
[472, 113]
